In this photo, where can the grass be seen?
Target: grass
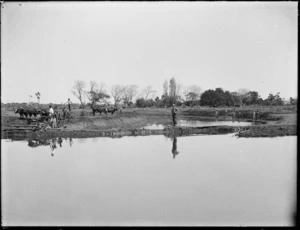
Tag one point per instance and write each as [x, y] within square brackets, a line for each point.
[131, 118]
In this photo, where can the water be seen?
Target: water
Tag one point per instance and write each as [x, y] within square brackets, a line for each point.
[199, 123]
[151, 180]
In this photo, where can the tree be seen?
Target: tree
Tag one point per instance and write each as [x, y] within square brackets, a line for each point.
[117, 92]
[94, 95]
[216, 97]
[102, 88]
[179, 89]
[209, 98]
[293, 101]
[129, 93]
[236, 98]
[251, 98]
[278, 99]
[243, 93]
[147, 91]
[78, 90]
[227, 99]
[165, 87]
[38, 96]
[172, 87]
[193, 92]
[141, 103]
[172, 90]
[90, 93]
[271, 99]
[220, 100]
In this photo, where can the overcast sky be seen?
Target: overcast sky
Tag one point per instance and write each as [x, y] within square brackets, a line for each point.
[47, 46]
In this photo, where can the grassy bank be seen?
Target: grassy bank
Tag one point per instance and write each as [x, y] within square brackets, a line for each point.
[135, 118]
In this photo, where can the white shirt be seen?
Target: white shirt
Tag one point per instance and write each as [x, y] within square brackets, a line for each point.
[51, 111]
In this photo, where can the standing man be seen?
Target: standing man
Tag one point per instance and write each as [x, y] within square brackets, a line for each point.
[51, 111]
[51, 114]
[69, 104]
[174, 112]
[217, 113]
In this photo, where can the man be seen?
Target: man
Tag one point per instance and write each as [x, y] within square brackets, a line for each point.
[54, 121]
[69, 104]
[51, 111]
[51, 115]
[217, 113]
[174, 112]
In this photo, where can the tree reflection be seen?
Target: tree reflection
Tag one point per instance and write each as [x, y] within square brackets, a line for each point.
[174, 147]
[33, 143]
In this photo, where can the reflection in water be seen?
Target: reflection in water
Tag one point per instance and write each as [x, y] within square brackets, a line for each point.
[53, 146]
[200, 123]
[59, 141]
[53, 142]
[33, 143]
[214, 186]
[174, 148]
[70, 141]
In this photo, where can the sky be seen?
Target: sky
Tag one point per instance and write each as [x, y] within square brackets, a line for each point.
[47, 46]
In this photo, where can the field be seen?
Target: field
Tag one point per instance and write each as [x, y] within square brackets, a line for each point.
[274, 121]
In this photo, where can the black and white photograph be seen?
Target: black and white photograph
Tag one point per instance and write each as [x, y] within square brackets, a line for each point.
[163, 113]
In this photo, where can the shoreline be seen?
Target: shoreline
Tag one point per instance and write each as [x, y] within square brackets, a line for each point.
[240, 131]
[130, 122]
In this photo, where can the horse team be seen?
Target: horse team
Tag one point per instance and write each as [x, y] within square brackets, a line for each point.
[103, 110]
[29, 112]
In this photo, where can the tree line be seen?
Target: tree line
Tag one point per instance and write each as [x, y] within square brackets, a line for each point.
[173, 93]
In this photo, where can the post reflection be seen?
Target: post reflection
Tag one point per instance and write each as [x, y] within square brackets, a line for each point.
[59, 141]
[175, 152]
[70, 141]
[53, 146]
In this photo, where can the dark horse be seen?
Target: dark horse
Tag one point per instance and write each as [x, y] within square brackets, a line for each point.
[98, 109]
[101, 110]
[28, 112]
[21, 111]
[112, 110]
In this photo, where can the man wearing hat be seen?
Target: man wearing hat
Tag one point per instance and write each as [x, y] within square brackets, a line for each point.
[174, 112]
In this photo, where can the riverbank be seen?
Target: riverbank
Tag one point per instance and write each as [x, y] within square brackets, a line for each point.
[279, 121]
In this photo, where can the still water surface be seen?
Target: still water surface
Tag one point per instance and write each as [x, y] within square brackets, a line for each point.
[151, 180]
[200, 123]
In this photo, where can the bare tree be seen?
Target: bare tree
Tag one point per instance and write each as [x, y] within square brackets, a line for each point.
[117, 92]
[147, 91]
[93, 86]
[90, 94]
[130, 92]
[102, 88]
[78, 90]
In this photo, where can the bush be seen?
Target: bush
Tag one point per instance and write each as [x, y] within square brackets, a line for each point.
[82, 113]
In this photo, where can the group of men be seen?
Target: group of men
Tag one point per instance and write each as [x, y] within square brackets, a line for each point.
[53, 115]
